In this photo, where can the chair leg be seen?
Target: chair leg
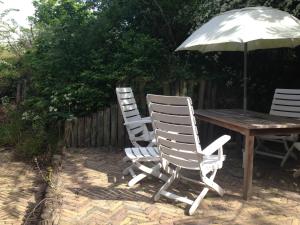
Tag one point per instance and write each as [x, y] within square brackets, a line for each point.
[287, 155]
[137, 179]
[126, 171]
[287, 148]
[125, 159]
[155, 170]
[213, 185]
[198, 200]
[169, 181]
[201, 196]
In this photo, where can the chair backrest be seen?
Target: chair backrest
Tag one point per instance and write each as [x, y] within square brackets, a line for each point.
[129, 110]
[175, 130]
[286, 102]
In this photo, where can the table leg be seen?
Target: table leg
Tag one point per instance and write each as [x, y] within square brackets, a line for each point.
[248, 167]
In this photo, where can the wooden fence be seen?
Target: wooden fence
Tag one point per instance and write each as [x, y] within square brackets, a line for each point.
[105, 128]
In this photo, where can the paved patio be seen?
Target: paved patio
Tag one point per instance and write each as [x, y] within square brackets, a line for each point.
[20, 189]
[94, 192]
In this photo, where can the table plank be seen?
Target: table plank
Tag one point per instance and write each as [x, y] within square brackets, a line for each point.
[247, 119]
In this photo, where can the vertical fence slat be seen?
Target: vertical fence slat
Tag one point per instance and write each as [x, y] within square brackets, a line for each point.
[80, 131]
[114, 125]
[106, 126]
[74, 133]
[100, 127]
[121, 135]
[177, 88]
[201, 94]
[166, 88]
[94, 130]
[87, 131]
[67, 133]
[183, 88]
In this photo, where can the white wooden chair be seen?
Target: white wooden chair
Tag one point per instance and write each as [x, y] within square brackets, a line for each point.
[144, 159]
[135, 124]
[179, 147]
[286, 102]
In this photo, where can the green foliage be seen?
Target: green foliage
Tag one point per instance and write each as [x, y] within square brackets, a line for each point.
[27, 131]
[78, 51]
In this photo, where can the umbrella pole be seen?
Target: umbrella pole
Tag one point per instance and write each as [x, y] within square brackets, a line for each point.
[245, 76]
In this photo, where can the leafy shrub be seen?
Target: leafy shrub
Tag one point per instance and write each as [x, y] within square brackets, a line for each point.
[28, 131]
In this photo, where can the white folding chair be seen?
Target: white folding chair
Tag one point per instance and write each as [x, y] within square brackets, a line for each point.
[144, 159]
[286, 102]
[179, 147]
[135, 124]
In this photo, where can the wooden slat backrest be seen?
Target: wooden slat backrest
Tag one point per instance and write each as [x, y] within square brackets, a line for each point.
[175, 130]
[129, 110]
[286, 102]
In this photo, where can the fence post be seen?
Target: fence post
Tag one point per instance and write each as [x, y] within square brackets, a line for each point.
[121, 135]
[183, 88]
[114, 125]
[100, 126]
[166, 88]
[106, 125]
[201, 93]
[94, 130]
[75, 133]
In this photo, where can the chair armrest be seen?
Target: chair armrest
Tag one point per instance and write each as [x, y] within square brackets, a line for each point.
[141, 121]
[216, 145]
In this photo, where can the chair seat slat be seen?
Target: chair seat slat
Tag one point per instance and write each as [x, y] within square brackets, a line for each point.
[128, 101]
[287, 114]
[177, 145]
[180, 154]
[132, 113]
[124, 89]
[137, 130]
[285, 108]
[129, 107]
[174, 110]
[183, 120]
[287, 97]
[168, 100]
[176, 137]
[187, 164]
[174, 128]
[287, 91]
[286, 102]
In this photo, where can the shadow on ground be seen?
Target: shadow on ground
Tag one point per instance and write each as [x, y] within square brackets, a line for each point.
[94, 190]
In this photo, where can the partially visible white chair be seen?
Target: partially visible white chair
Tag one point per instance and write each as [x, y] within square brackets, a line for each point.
[296, 145]
[144, 159]
[179, 147]
[135, 124]
[286, 102]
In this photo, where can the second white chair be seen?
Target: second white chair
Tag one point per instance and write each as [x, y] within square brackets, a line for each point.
[286, 102]
[179, 147]
[145, 160]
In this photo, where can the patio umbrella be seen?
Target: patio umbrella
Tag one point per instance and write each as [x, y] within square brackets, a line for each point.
[245, 30]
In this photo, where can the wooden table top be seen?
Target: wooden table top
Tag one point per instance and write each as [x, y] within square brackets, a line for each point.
[247, 119]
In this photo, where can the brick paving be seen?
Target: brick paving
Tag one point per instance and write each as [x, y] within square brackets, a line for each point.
[19, 190]
[94, 192]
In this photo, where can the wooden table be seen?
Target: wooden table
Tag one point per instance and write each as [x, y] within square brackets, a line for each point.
[250, 124]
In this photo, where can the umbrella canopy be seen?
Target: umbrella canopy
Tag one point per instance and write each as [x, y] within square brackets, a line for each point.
[245, 29]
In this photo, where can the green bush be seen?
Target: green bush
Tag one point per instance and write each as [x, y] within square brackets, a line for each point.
[30, 133]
